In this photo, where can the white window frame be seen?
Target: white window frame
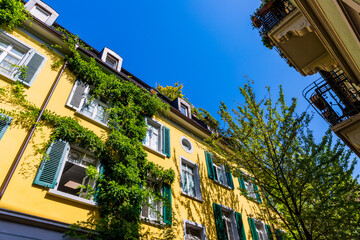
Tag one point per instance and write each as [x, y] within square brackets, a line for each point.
[159, 214]
[225, 209]
[195, 226]
[222, 170]
[260, 228]
[31, 4]
[29, 52]
[197, 184]
[55, 190]
[85, 98]
[152, 122]
[182, 138]
[104, 54]
[249, 186]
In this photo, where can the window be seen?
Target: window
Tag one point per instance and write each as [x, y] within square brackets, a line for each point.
[229, 224]
[64, 170]
[184, 110]
[190, 180]
[156, 210]
[4, 124]
[15, 55]
[157, 137]
[40, 13]
[218, 173]
[81, 100]
[186, 144]
[194, 231]
[248, 188]
[111, 61]
[258, 230]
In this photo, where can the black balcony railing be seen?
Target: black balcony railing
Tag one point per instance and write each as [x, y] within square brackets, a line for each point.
[334, 96]
[271, 14]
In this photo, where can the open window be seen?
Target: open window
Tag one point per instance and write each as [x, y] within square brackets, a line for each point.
[194, 231]
[219, 173]
[63, 170]
[18, 61]
[258, 229]
[80, 99]
[157, 137]
[249, 188]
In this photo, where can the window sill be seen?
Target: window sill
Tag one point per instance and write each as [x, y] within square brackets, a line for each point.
[160, 154]
[155, 223]
[100, 124]
[222, 185]
[194, 198]
[12, 80]
[72, 197]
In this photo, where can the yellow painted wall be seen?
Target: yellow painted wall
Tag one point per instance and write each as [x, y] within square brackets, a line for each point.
[22, 196]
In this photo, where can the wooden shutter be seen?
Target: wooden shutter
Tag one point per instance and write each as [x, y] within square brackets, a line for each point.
[167, 214]
[166, 141]
[242, 183]
[253, 229]
[220, 228]
[279, 234]
[49, 168]
[4, 124]
[210, 165]
[97, 188]
[34, 65]
[268, 231]
[77, 94]
[229, 177]
[256, 189]
[240, 226]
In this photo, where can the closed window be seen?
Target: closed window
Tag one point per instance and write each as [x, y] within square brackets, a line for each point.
[184, 110]
[40, 13]
[248, 187]
[219, 173]
[63, 170]
[186, 144]
[194, 231]
[229, 224]
[111, 61]
[19, 61]
[190, 180]
[4, 124]
[81, 100]
[157, 137]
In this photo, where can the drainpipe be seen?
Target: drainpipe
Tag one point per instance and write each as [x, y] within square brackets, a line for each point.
[31, 133]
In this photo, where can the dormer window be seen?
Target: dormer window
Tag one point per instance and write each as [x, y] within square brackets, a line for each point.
[184, 110]
[111, 59]
[40, 13]
[183, 106]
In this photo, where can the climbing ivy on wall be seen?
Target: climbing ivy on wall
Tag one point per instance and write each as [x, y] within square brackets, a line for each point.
[12, 14]
[121, 188]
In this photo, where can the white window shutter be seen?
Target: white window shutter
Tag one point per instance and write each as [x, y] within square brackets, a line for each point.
[34, 65]
[76, 95]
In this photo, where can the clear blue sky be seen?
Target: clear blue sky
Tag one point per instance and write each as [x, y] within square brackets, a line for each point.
[208, 45]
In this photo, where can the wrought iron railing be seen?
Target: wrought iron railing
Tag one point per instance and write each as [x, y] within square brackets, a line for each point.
[334, 96]
[271, 14]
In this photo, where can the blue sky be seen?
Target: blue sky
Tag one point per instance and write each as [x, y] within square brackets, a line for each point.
[208, 45]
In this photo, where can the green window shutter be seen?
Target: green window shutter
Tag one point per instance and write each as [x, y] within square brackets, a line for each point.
[34, 66]
[78, 94]
[253, 229]
[220, 228]
[279, 234]
[167, 214]
[229, 177]
[269, 233]
[97, 189]
[240, 226]
[242, 183]
[49, 168]
[256, 189]
[166, 141]
[210, 165]
[4, 124]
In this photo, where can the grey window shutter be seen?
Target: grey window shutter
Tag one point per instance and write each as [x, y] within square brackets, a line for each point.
[166, 141]
[33, 66]
[197, 183]
[50, 167]
[220, 228]
[78, 94]
[210, 166]
[145, 210]
[240, 226]
[4, 124]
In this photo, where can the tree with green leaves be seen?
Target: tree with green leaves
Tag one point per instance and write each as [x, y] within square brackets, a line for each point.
[172, 92]
[307, 187]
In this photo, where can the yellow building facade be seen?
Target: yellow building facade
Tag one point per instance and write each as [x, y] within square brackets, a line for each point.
[35, 203]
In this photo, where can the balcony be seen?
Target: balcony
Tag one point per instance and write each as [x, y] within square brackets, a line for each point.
[285, 28]
[337, 99]
[271, 14]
